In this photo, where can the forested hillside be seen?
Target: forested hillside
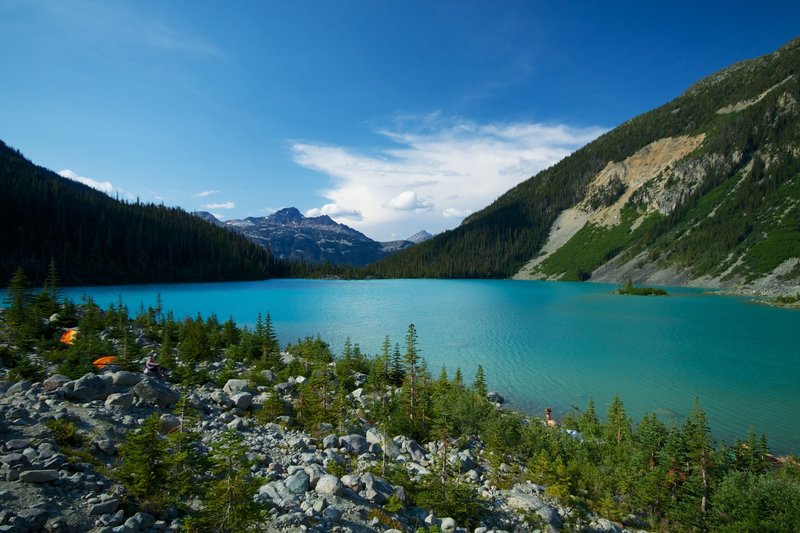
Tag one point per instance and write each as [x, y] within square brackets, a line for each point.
[723, 205]
[94, 239]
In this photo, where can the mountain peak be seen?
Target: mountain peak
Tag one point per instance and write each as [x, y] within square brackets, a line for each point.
[288, 215]
[419, 237]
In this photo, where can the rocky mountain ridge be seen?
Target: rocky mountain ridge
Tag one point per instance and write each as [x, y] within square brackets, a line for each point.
[703, 191]
[292, 236]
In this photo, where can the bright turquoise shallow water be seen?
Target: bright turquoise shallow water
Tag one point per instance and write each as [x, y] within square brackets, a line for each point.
[544, 344]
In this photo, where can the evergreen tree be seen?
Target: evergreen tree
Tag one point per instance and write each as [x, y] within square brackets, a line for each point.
[479, 386]
[618, 425]
[398, 369]
[697, 436]
[17, 300]
[146, 466]
[271, 351]
[230, 505]
[412, 361]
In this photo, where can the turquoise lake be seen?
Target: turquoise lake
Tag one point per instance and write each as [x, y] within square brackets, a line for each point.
[542, 343]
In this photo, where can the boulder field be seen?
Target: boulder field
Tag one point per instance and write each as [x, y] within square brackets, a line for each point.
[48, 487]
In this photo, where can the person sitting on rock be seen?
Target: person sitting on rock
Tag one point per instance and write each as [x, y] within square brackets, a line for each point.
[548, 418]
[152, 366]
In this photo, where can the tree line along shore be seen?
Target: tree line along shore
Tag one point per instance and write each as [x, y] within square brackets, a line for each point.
[437, 453]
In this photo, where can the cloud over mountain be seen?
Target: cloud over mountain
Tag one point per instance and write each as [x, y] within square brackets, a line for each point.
[396, 186]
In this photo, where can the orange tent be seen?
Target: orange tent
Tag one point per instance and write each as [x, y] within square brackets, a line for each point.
[104, 361]
[69, 336]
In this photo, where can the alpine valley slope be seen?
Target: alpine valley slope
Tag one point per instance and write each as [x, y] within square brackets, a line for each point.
[704, 190]
[292, 236]
[93, 239]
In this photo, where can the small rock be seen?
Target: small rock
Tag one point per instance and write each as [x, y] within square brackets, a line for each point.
[34, 517]
[332, 513]
[106, 507]
[14, 459]
[448, 525]
[38, 476]
[169, 423]
[140, 521]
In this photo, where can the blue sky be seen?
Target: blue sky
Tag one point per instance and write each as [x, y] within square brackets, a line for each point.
[390, 116]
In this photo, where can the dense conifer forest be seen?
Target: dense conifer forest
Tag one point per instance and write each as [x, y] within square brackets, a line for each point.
[97, 240]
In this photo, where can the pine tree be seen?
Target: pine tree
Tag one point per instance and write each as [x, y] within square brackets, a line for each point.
[230, 505]
[618, 425]
[697, 436]
[588, 422]
[51, 290]
[146, 466]
[412, 361]
[398, 369]
[479, 386]
[271, 348]
[17, 300]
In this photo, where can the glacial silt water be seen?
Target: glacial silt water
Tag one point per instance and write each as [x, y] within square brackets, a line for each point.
[543, 344]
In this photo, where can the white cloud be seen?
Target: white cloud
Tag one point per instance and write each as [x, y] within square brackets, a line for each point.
[335, 211]
[205, 193]
[104, 186]
[409, 201]
[452, 212]
[223, 205]
[431, 160]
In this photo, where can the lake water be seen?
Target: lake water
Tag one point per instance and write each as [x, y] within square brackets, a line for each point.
[543, 344]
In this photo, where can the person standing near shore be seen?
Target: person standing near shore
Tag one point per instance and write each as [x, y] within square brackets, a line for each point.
[548, 418]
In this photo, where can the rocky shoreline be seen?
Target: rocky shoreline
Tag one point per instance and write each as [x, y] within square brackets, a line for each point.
[48, 487]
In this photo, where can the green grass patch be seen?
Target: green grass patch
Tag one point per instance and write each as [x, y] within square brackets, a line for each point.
[594, 245]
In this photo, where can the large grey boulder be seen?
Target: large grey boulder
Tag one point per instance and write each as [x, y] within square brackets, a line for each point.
[156, 393]
[384, 441]
[126, 379]
[355, 443]
[121, 400]
[235, 386]
[376, 489]
[329, 485]
[495, 397]
[297, 483]
[416, 451]
[242, 400]
[18, 387]
[90, 387]
[522, 497]
[54, 382]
